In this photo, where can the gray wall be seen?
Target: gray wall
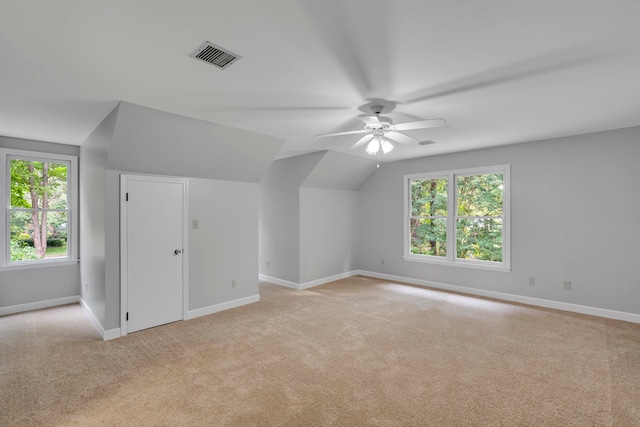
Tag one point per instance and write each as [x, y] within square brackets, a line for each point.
[223, 248]
[38, 284]
[225, 245]
[280, 216]
[328, 226]
[574, 207]
[307, 215]
[574, 211]
[112, 249]
[135, 139]
[93, 159]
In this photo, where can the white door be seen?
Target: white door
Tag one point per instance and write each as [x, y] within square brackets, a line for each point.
[154, 251]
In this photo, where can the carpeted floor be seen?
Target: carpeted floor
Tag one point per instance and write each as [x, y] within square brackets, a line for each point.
[356, 352]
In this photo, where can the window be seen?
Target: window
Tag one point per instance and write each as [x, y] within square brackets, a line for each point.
[459, 217]
[39, 192]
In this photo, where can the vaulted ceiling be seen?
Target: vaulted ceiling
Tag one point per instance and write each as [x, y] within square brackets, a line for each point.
[499, 71]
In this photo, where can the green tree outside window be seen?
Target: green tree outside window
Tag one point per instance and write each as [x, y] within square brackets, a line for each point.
[461, 209]
[38, 212]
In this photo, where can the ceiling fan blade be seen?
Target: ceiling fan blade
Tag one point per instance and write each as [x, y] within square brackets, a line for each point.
[351, 132]
[293, 108]
[552, 62]
[362, 141]
[347, 40]
[401, 138]
[372, 121]
[421, 124]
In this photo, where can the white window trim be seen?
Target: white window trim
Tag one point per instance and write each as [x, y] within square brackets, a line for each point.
[450, 259]
[72, 200]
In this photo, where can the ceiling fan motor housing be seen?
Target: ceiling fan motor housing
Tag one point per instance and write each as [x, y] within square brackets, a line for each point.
[386, 122]
[377, 109]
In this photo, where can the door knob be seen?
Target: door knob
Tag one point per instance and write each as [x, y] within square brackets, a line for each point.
[177, 252]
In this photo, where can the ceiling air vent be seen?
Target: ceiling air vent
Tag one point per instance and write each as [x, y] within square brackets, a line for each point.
[215, 55]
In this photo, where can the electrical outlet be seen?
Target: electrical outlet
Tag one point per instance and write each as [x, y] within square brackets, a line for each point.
[86, 286]
[267, 263]
[234, 283]
[532, 280]
[382, 261]
[566, 285]
[196, 224]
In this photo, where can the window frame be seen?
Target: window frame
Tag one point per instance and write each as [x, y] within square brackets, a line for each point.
[451, 258]
[6, 154]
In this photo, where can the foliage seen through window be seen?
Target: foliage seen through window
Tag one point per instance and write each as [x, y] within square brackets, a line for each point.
[458, 216]
[38, 213]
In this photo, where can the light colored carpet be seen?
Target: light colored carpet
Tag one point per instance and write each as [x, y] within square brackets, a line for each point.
[354, 352]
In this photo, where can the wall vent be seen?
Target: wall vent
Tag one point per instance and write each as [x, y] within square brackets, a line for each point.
[215, 55]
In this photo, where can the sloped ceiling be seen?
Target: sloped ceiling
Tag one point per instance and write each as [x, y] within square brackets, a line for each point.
[338, 171]
[499, 71]
[155, 142]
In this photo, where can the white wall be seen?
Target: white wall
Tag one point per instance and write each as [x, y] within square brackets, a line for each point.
[19, 287]
[574, 211]
[328, 226]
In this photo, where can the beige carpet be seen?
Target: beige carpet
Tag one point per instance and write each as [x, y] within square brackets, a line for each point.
[356, 352]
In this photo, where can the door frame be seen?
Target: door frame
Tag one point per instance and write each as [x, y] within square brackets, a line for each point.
[124, 285]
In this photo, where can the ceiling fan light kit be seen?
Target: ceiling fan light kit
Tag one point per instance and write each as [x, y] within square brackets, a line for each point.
[386, 146]
[377, 144]
[380, 131]
[373, 147]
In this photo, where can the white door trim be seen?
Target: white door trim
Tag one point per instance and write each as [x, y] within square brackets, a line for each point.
[124, 179]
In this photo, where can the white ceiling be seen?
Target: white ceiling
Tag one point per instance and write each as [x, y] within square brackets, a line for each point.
[499, 71]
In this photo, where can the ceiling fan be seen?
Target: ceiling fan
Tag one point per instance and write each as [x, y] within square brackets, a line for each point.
[381, 132]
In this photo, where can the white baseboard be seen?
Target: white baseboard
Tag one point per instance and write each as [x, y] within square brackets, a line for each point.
[111, 334]
[310, 284]
[192, 314]
[280, 282]
[593, 311]
[106, 335]
[19, 308]
[324, 280]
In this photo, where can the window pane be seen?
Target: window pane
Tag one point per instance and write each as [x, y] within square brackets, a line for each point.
[429, 197]
[38, 185]
[480, 195]
[429, 237]
[479, 238]
[37, 235]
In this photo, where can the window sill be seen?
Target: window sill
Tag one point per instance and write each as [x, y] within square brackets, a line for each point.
[463, 264]
[40, 264]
